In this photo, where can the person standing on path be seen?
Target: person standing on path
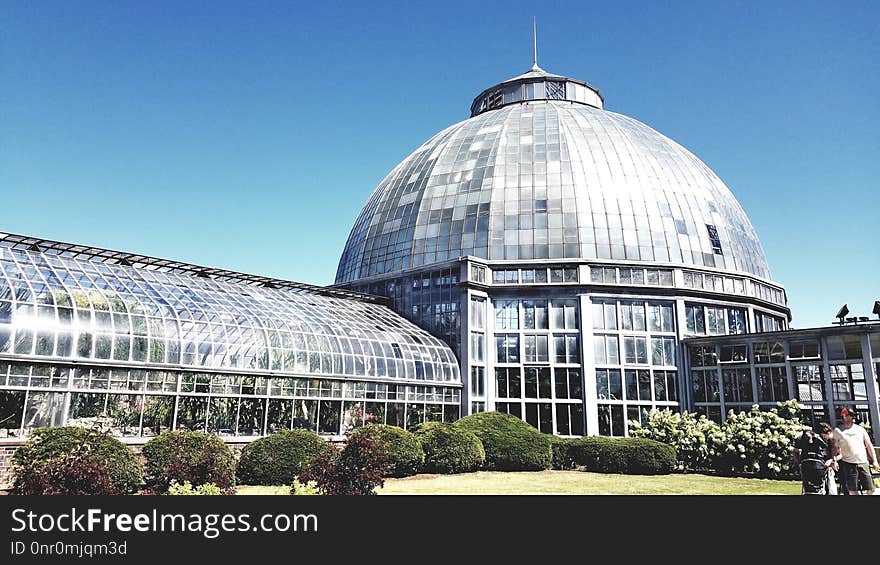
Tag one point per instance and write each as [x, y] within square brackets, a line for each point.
[856, 452]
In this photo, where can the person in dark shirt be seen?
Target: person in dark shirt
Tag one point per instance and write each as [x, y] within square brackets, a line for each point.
[816, 457]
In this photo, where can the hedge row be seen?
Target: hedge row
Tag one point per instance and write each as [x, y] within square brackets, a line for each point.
[633, 456]
[82, 461]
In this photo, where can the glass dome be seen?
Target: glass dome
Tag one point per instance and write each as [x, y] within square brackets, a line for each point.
[541, 171]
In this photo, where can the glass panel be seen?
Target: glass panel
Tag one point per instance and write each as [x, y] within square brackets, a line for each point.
[11, 412]
[158, 415]
[124, 414]
[280, 415]
[250, 417]
[394, 414]
[223, 412]
[329, 417]
[191, 413]
[44, 409]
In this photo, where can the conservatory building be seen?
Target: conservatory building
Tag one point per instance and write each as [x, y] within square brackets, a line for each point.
[544, 257]
[563, 251]
[138, 345]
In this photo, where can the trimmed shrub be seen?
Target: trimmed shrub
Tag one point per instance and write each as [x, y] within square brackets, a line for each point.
[183, 455]
[403, 449]
[632, 456]
[693, 436]
[563, 459]
[357, 470]
[278, 458]
[72, 473]
[510, 444]
[449, 449]
[83, 446]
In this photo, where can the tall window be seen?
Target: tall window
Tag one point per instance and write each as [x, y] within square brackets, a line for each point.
[537, 346]
[636, 358]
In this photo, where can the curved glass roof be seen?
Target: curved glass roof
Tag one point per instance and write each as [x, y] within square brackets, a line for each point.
[57, 301]
[550, 179]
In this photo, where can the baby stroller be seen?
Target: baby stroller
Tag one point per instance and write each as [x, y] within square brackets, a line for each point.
[813, 474]
[812, 463]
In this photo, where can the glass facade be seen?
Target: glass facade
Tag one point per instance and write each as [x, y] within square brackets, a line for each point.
[430, 299]
[143, 403]
[149, 347]
[824, 369]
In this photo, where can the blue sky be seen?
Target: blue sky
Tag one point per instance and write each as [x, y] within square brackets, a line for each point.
[247, 135]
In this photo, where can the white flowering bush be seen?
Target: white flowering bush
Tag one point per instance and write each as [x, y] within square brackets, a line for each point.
[751, 443]
[187, 489]
[309, 488]
[692, 436]
[759, 443]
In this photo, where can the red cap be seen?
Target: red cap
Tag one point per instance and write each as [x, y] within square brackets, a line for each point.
[845, 412]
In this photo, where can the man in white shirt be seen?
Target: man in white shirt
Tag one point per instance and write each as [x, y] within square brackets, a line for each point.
[856, 451]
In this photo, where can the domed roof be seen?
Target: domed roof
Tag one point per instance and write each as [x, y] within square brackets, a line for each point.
[541, 171]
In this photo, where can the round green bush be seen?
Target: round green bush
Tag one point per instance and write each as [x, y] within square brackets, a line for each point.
[562, 448]
[633, 456]
[277, 459]
[449, 449]
[650, 457]
[510, 443]
[47, 444]
[404, 450]
[183, 455]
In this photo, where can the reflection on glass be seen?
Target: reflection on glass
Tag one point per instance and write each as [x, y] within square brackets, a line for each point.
[305, 414]
[191, 413]
[44, 409]
[280, 415]
[124, 414]
[222, 414]
[158, 415]
[11, 411]
[250, 417]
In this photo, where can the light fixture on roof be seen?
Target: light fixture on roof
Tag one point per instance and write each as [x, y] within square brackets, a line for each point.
[841, 314]
[876, 309]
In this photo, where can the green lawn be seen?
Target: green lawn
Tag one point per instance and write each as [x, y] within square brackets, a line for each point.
[570, 482]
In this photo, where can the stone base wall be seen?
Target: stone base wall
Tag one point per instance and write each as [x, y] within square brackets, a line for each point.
[6, 451]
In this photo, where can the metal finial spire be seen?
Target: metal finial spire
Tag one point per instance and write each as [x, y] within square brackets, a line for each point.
[535, 66]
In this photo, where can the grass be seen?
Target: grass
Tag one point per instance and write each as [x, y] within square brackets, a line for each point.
[569, 482]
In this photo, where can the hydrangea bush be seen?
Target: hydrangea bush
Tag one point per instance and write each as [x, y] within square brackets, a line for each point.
[759, 443]
[693, 436]
[750, 443]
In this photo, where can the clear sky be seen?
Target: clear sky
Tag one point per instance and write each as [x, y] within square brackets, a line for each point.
[247, 135]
